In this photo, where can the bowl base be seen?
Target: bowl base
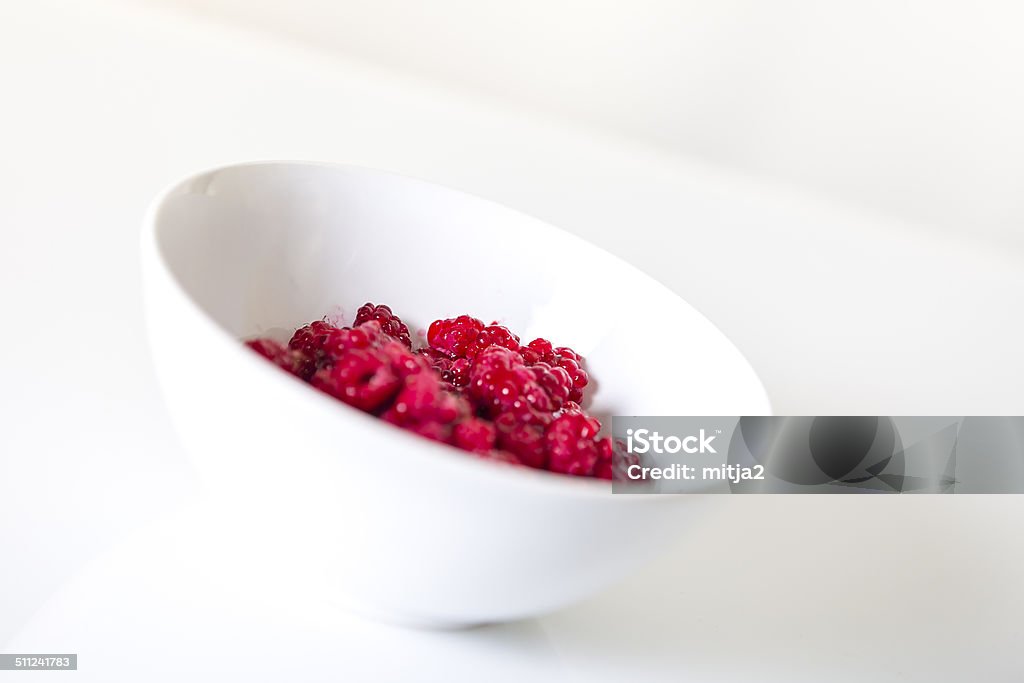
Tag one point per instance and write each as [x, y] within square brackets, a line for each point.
[403, 619]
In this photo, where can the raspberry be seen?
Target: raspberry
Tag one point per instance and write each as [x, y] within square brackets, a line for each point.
[541, 351]
[572, 364]
[360, 377]
[466, 337]
[474, 434]
[475, 386]
[523, 439]
[293, 360]
[571, 408]
[454, 336]
[572, 447]
[424, 399]
[566, 352]
[538, 351]
[425, 407]
[496, 335]
[453, 371]
[403, 361]
[338, 341]
[501, 383]
[311, 338]
[555, 381]
[460, 370]
[370, 335]
[390, 323]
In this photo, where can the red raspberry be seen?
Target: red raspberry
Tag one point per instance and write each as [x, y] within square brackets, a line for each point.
[390, 323]
[465, 337]
[541, 351]
[459, 370]
[454, 371]
[475, 434]
[424, 399]
[311, 338]
[538, 351]
[571, 362]
[454, 336]
[496, 335]
[360, 377]
[425, 407]
[566, 352]
[293, 360]
[450, 391]
[523, 439]
[341, 340]
[572, 446]
[501, 383]
[434, 356]
[403, 361]
[555, 381]
[571, 408]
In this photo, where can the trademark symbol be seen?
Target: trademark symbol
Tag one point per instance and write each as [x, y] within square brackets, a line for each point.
[718, 431]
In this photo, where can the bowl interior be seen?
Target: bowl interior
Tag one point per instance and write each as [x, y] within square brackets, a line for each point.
[264, 248]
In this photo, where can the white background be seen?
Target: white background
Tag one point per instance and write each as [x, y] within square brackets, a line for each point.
[913, 107]
[902, 299]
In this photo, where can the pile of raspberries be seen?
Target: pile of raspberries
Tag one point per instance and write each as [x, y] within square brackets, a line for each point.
[474, 386]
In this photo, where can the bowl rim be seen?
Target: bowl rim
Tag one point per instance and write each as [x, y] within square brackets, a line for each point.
[153, 256]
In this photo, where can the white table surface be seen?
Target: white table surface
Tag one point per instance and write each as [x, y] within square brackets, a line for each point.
[103, 550]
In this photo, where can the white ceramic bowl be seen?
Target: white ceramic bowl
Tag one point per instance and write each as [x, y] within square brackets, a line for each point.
[356, 511]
